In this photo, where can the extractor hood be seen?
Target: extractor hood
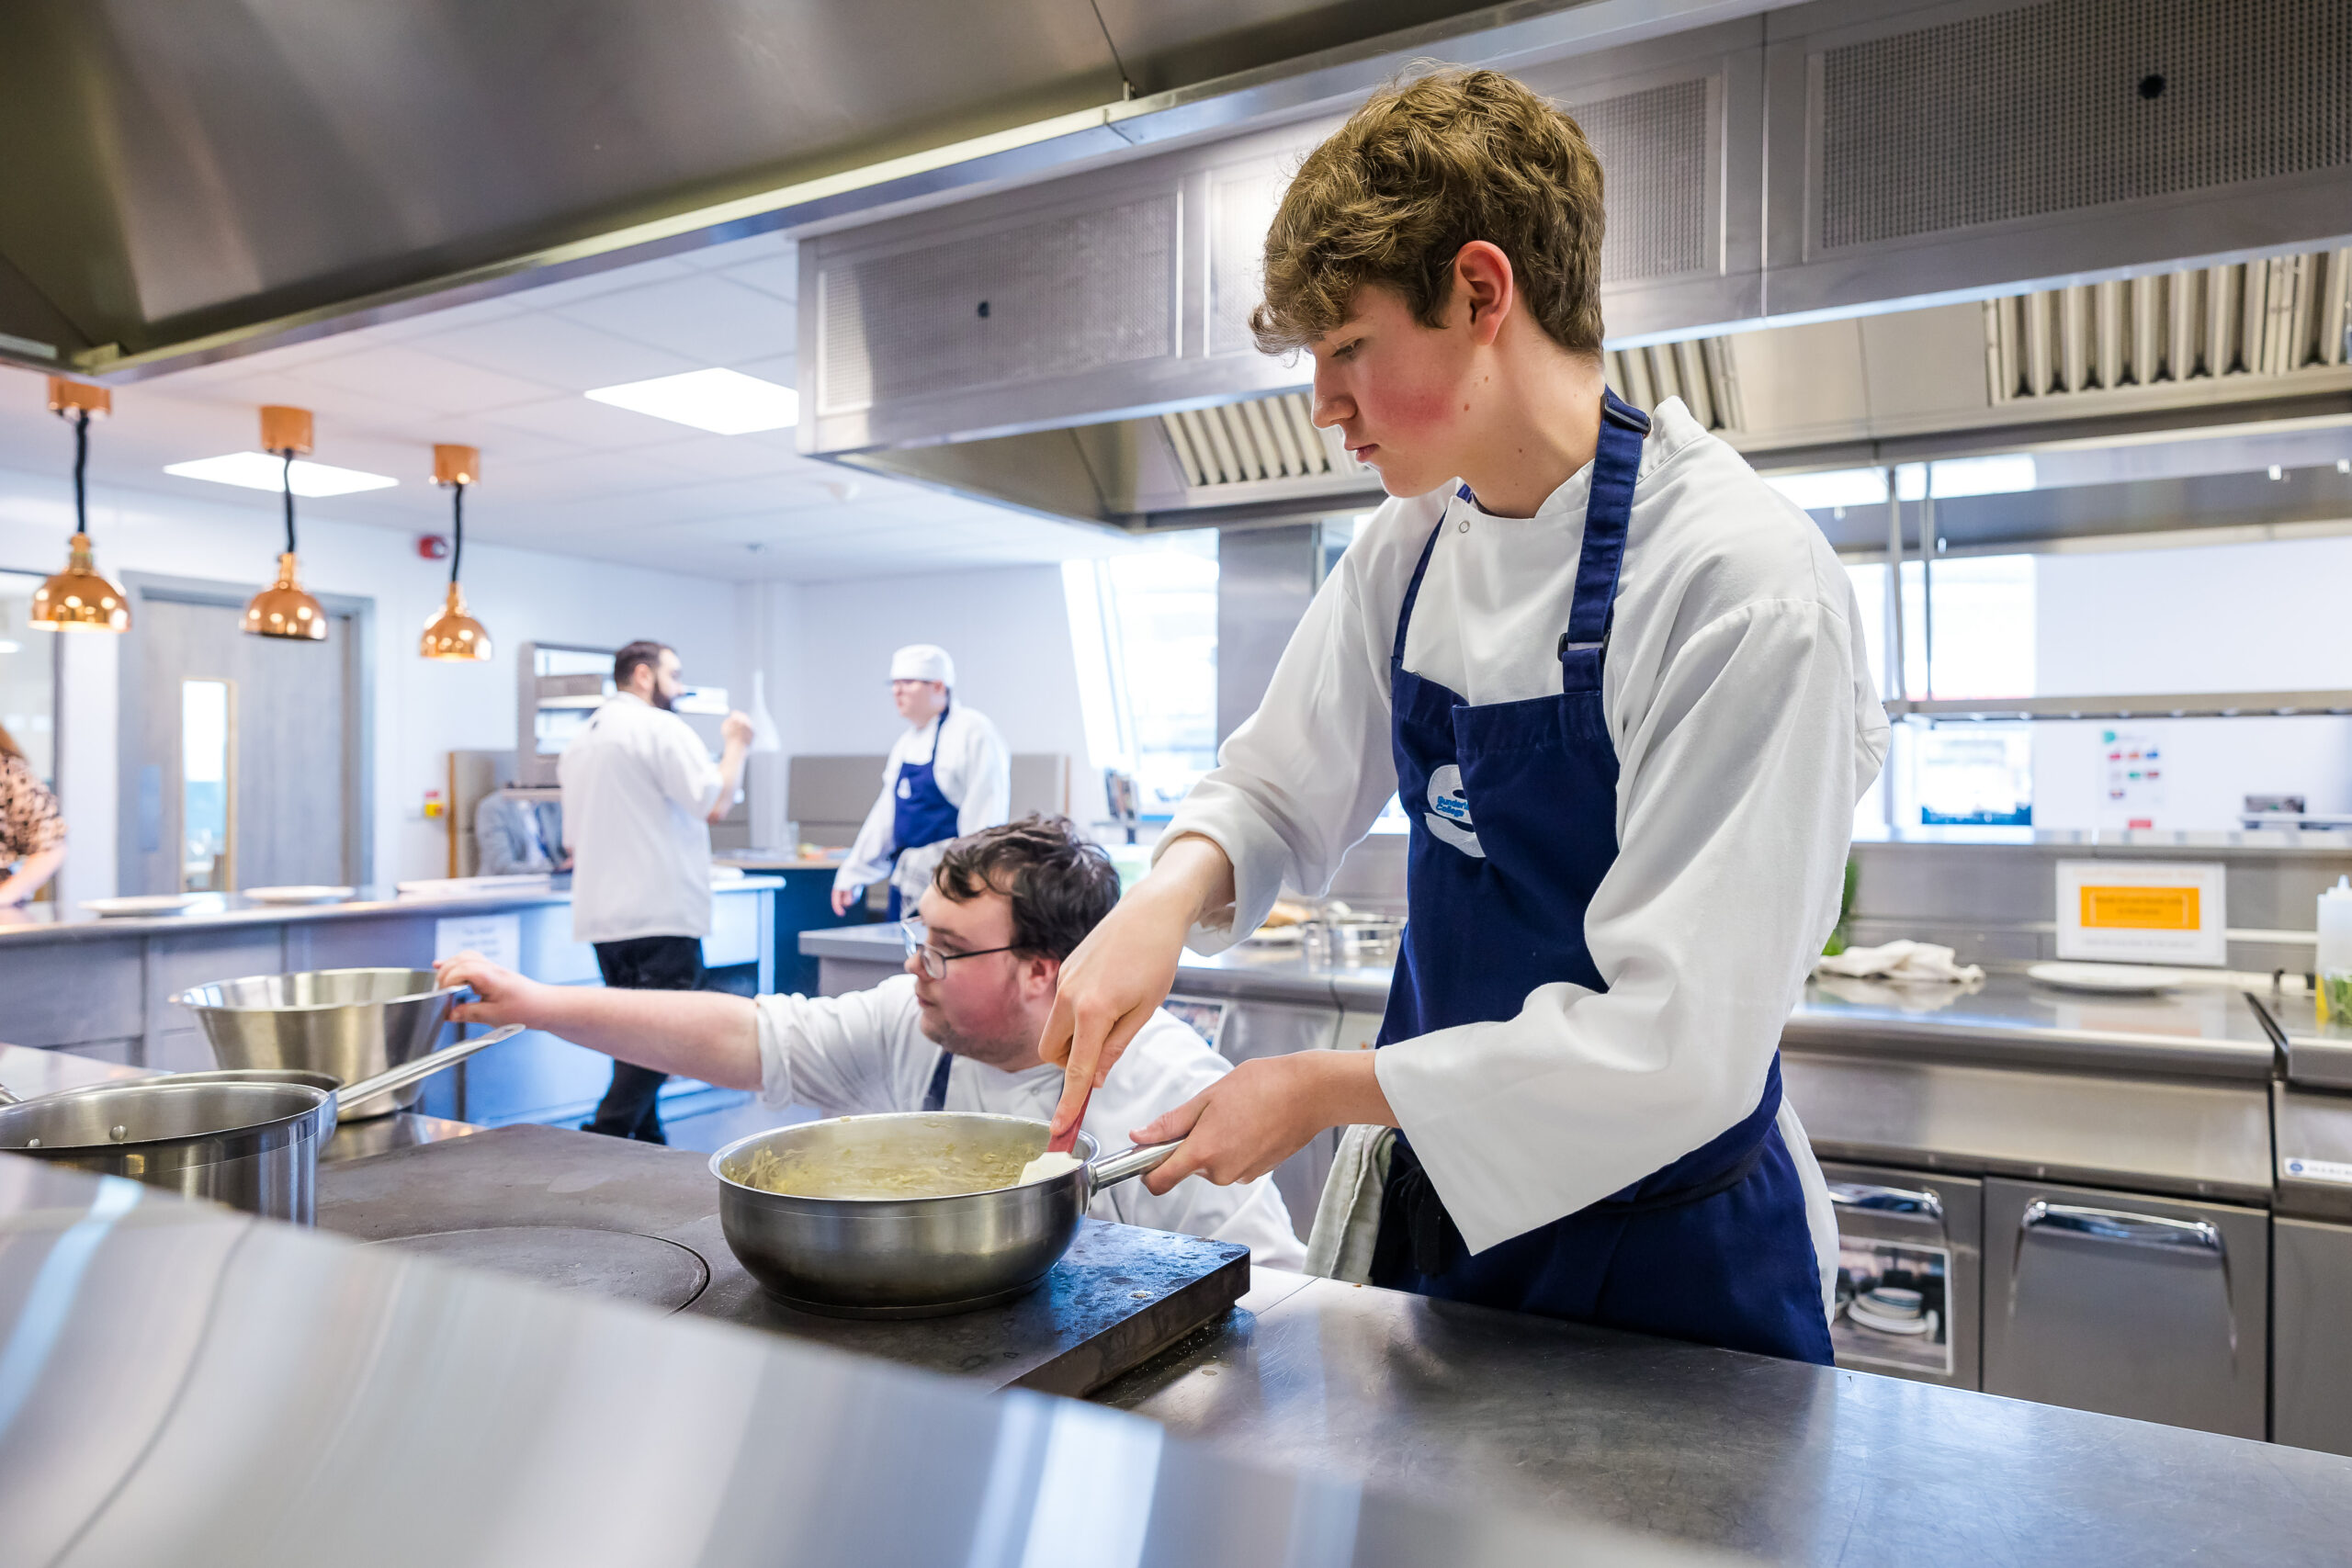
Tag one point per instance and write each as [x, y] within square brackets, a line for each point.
[1846, 234]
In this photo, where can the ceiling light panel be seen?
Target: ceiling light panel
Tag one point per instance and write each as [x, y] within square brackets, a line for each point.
[262, 470]
[725, 403]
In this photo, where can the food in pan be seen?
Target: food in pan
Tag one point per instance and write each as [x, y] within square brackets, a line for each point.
[877, 1173]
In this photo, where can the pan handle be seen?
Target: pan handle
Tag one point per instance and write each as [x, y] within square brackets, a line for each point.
[8, 1099]
[424, 1066]
[1112, 1170]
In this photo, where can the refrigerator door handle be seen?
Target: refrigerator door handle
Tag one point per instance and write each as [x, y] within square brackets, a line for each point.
[2120, 1226]
[1887, 1200]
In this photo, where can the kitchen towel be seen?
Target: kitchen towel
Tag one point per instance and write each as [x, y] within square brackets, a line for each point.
[1347, 1220]
[1899, 961]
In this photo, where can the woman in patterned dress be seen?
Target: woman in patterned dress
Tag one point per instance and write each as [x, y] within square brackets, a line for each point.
[31, 833]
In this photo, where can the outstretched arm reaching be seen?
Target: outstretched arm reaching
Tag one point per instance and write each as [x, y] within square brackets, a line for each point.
[697, 1034]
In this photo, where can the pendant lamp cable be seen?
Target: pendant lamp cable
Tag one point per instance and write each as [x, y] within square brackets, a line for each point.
[286, 483]
[457, 528]
[81, 466]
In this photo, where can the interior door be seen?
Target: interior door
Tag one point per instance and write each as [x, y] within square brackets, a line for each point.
[241, 777]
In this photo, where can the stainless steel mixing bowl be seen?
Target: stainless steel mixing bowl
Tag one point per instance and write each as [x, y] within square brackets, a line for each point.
[351, 1023]
[911, 1256]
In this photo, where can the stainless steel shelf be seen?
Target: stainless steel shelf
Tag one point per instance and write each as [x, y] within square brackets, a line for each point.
[2136, 705]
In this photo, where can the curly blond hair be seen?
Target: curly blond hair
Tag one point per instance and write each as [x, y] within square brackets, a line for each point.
[1423, 168]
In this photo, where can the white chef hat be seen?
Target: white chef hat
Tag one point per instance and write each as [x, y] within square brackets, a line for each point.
[922, 661]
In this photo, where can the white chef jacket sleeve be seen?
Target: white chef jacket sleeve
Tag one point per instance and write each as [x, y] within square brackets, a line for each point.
[1306, 775]
[1740, 767]
[684, 768]
[987, 771]
[871, 854]
[834, 1053]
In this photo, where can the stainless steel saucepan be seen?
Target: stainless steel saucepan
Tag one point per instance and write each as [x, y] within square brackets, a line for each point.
[911, 1256]
[250, 1139]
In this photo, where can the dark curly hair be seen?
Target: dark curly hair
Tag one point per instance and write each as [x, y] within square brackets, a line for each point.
[1060, 885]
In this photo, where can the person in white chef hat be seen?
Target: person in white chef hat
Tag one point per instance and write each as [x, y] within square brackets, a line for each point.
[946, 776]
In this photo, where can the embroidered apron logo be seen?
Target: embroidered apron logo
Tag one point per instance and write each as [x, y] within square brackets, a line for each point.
[1449, 813]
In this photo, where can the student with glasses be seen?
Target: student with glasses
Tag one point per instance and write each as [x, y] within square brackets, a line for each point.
[957, 1031]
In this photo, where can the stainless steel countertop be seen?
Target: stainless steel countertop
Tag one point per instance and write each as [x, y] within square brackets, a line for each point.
[1777, 1460]
[54, 922]
[181, 1381]
[2200, 1030]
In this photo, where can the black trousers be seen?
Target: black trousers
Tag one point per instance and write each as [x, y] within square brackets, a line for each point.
[643, 963]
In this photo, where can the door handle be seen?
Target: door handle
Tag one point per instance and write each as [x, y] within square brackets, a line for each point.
[2121, 1226]
[1887, 1200]
[2124, 1228]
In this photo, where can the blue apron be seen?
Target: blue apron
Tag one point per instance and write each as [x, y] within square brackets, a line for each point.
[919, 814]
[1513, 809]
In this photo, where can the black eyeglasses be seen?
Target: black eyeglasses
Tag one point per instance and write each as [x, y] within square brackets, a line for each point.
[932, 962]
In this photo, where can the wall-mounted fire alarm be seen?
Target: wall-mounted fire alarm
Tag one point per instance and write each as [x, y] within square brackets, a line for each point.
[432, 546]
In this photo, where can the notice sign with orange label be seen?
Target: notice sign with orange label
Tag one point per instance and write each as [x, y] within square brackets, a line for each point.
[2142, 911]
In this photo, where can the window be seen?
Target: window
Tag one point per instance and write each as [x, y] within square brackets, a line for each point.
[1143, 628]
[208, 788]
[28, 676]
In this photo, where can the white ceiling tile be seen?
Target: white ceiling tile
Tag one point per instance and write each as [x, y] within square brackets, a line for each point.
[702, 316]
[731, 457]
[776, 275]
[409, 375]
[735, 253]
[545, 347]
[592, 426]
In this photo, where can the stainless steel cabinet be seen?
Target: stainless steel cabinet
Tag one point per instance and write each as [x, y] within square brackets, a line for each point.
[2127, 1304]
[2312, 1361]
[1910, 1273]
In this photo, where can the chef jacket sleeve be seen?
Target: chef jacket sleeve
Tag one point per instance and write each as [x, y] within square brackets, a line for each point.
[1306, 775]
[834, 1053]
[684, 768]
[1735, 772]
[987, 779]
[870, 856]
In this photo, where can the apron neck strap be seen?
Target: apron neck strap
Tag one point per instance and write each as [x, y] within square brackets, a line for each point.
[1607, 512]
[1420, 569]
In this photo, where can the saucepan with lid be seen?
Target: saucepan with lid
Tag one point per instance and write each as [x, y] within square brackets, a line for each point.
[250, 1139]
[887, 1255]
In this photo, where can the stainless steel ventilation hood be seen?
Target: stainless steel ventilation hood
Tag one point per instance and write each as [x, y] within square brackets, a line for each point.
[1846, 234]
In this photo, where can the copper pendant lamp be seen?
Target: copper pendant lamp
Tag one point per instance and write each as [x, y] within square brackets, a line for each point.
[283, 609]
[454, 635]
[78, 598]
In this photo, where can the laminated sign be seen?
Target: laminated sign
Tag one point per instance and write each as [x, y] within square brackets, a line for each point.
[2142, 911]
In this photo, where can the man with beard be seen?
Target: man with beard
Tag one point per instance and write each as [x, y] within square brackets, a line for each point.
[639, 794]
[957, 1031]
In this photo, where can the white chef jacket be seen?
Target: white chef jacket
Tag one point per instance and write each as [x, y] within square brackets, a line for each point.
[972, 770]
[866, 1052]
[638, 789]
[1737, 696]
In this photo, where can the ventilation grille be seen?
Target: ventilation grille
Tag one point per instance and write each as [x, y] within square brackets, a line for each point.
[1265, 438]
[1069, 293]
[2264, 317]
[1697, 370]
[1653, 148]
[2078, 104]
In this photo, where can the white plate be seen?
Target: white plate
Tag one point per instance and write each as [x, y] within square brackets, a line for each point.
[2117, 980]
[1859, 1314]
[143, 904]
[300, 894]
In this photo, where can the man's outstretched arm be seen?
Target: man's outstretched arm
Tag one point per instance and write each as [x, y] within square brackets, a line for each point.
[708, 1035]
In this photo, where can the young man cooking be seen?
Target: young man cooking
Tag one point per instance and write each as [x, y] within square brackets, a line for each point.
[1620, 688]
[957, 1031]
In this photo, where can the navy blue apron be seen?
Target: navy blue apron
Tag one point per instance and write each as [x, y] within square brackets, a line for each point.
[935, 1097]
[1513, 809]
[919, 814]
